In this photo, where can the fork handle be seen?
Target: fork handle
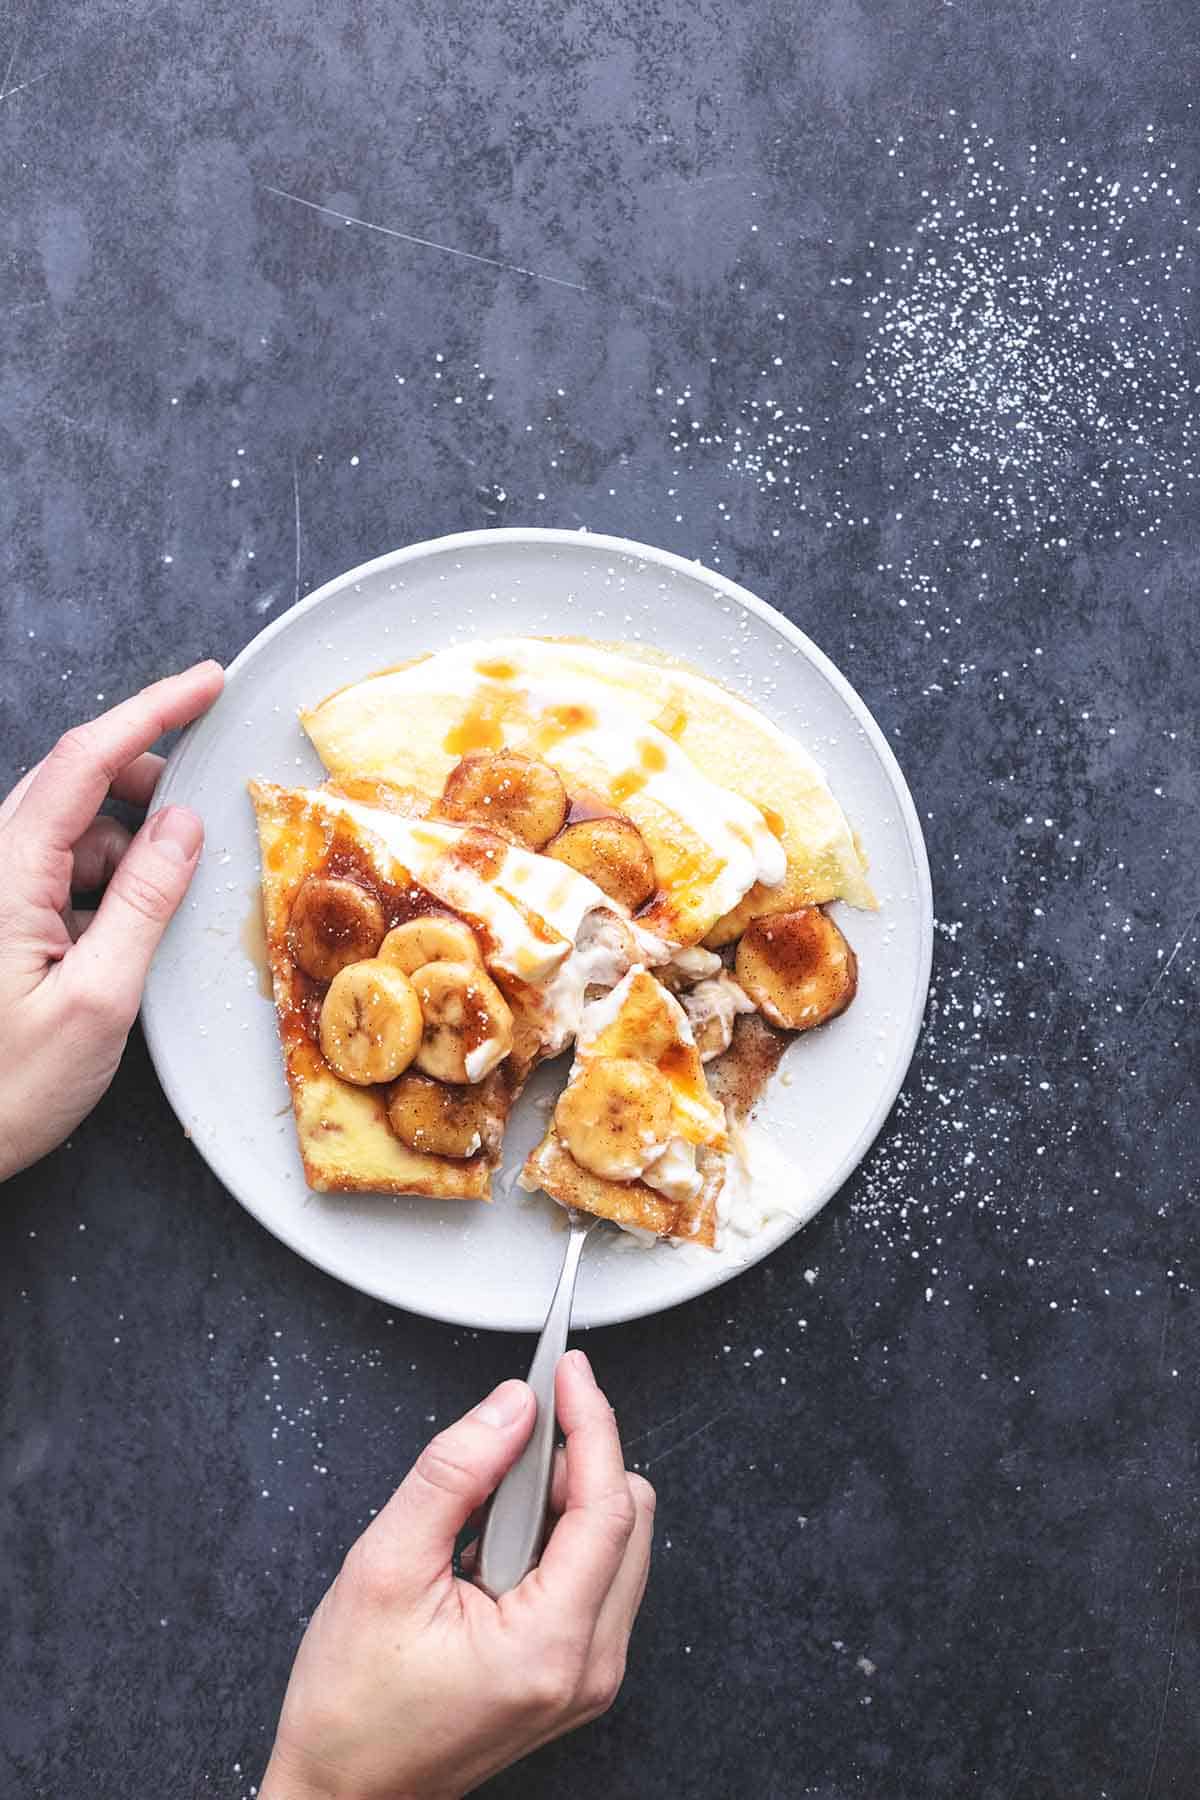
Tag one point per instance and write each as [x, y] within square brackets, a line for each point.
[511, 1540]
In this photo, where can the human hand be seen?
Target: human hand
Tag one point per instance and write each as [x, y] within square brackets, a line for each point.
[410, 1683]
[71, 984]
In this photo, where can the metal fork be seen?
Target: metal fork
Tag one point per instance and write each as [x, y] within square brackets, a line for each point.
[515, 1527]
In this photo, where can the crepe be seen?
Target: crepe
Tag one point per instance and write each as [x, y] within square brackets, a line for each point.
[345, 1141]
[576, 827]
[674, 1196]
[739, 818]
[541, 944]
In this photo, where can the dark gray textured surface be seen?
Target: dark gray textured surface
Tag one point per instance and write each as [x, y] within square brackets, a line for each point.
[955, 1554]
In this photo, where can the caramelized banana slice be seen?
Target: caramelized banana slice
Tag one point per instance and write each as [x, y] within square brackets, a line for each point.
[440, 1119]
[468, 1025]
[615, 1117]
[508, 791]
[611, 852]
[334, 922]
[434, 938]
[370, 1023]
[797, 968]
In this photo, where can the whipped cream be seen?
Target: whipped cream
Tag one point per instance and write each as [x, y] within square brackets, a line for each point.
[673, 1172]
[483, 1059]
[605, 949]
[760, 1186]
[600, 1013]
[691, 965]
[715, 1003]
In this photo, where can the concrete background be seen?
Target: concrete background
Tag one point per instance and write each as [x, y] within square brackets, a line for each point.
[664, 259]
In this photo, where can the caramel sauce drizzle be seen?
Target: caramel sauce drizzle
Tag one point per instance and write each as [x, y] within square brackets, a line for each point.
[627, 785]
[401, 901]
[481, 726]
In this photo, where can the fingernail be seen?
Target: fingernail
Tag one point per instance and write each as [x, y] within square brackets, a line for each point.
[176, 833]
[582, 1366]
[504, 1405]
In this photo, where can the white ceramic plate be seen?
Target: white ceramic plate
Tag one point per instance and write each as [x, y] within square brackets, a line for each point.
[211, 1030]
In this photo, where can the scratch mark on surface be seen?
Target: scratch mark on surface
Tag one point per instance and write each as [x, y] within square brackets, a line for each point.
[296, 510]
[407, 237]
[1162, 1715]
[1166, 968]
[6, 92]
[690, 1438]
[663, 1423]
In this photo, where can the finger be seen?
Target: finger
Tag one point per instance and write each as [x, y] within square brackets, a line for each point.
[415, 1532]
[135, 784]
[587, 1545]
[109, 962]
[558, 1484]
[97, 854]
[624, 1597]
[68, 787]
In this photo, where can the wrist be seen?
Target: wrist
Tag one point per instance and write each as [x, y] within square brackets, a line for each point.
[282, 1780]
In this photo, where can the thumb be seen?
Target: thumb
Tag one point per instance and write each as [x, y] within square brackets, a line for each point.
[139, 902]
[453, 1476]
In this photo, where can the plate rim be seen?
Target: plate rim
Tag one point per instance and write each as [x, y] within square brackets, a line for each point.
[694, 569]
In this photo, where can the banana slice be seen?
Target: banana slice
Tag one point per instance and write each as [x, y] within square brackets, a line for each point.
[615, 1117]
[334, 922]
[510, 792]
[468, 1025]
[611, 852]
[443, 1120]
[434, 938]
[797, 968]
[370, 1023]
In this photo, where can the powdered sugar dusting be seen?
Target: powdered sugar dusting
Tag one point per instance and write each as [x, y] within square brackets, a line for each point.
[1030, 354]
[1018, 390]
[1025, 359]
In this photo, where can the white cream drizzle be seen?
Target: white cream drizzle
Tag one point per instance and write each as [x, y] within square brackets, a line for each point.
[564, 902]
[743, 848]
